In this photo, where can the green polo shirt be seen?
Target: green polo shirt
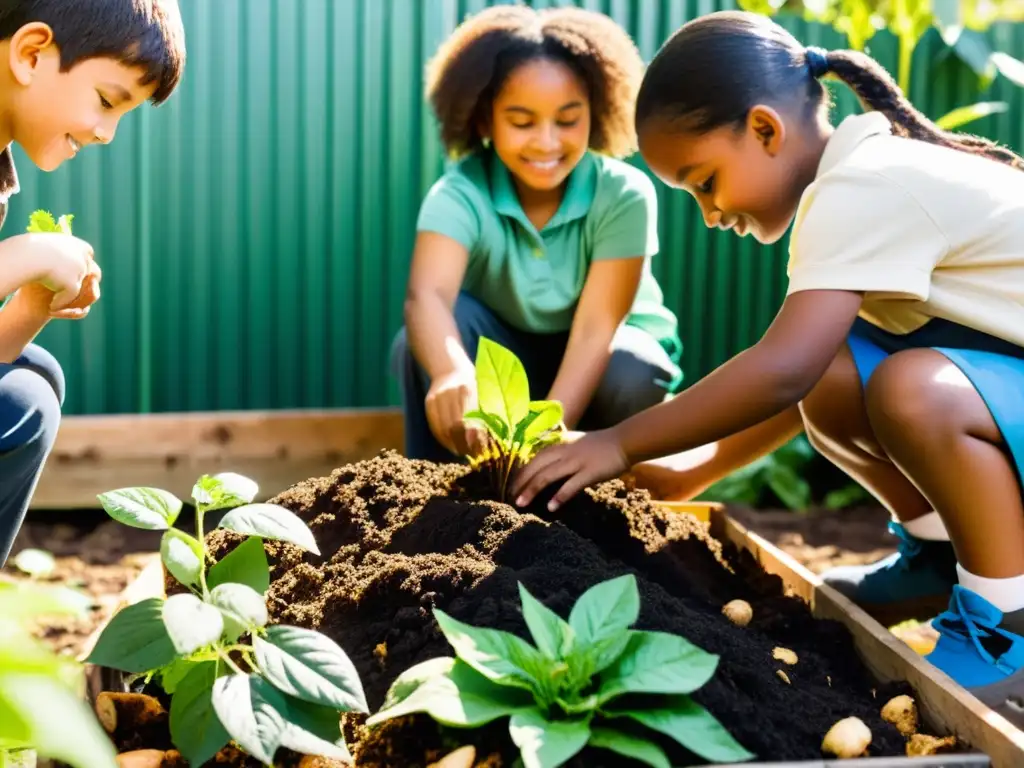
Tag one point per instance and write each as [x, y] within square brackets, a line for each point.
[533, 280]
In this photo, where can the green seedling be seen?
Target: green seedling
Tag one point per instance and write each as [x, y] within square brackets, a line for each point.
[516, 426]
[43, 221]
[286, 688]
[583, 679]
[41, 712]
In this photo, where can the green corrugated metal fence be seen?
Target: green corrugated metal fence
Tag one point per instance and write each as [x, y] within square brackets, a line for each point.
[255, 232]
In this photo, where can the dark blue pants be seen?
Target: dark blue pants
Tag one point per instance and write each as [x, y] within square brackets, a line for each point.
[636, 378]
[31, 396]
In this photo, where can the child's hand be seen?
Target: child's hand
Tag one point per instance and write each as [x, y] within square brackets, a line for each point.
[62, 263]
[41, 297]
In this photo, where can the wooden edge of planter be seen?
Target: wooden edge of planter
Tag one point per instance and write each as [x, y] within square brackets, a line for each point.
[943, 703]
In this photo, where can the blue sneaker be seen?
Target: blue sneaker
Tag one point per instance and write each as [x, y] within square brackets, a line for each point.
[979, 651]
[912, 583]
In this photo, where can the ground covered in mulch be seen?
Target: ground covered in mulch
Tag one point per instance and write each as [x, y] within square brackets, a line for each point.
[399, 538]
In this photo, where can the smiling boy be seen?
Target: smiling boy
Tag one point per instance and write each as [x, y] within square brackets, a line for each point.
[69, 71]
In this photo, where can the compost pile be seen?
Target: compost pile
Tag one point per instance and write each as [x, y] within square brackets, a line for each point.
[401, 537]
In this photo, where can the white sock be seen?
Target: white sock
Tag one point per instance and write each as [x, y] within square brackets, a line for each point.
[1005, 594]
[929, 527]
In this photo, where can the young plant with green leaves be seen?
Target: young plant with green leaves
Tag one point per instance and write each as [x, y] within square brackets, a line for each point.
[285, 688]
[517, 427]
[43, 221]
[578, 686]
[42, 713]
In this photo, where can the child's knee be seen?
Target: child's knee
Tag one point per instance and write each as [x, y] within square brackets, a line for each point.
[45, 364]
[904, 394]
[29, 411]
[833, 412]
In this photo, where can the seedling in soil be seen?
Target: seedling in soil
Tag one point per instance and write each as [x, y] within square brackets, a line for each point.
[41, 713]
[285, 689]
[518, 427]
[582, 681]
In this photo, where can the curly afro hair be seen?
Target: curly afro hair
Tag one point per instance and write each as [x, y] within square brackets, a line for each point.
[471, 66]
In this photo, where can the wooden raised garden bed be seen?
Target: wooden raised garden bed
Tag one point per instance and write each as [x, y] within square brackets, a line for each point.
[399, 540]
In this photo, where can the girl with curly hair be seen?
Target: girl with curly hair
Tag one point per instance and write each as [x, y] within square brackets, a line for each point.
[900, 343]
[539, 236]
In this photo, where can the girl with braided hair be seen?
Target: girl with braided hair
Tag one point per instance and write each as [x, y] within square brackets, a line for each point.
[538, 236]
[899, 347]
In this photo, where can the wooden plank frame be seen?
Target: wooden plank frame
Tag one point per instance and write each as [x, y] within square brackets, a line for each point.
[942, 703]
[277, 449]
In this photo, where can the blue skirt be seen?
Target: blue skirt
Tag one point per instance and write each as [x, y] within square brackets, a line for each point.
[994, 366]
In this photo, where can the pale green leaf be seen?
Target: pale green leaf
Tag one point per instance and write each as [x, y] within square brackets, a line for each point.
[310, 666]
[195, 728]
[40, 703]
[37, 563]
[644, 751]
[961, 116]
[42, 221]
[606, 610]
[552, 635]
[549, 415]
[489, 421]
[271, 522]
[150, 508]
[250, 709]
[191, 623]
[182, 555]
[682, 719]
[452, 693]
[171, 676]
[135, 640]
[245, 564]
[242, 607]
[20, 601]
[502, 386]
[657, 662]
[226, 489]
[1009, 67]
[545, 744]
[499, 656]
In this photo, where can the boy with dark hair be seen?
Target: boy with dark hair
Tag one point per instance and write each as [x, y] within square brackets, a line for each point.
[69, 71]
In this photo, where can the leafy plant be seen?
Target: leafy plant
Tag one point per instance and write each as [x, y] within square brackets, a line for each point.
[579, 685]
[43, 221]
[285, 689]
[39, 690]
[961, 23]
[517, 427]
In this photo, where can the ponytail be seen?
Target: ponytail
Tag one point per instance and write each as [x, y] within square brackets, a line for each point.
[877, 91]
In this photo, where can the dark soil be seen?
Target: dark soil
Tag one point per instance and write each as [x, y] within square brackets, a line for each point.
[399, 538]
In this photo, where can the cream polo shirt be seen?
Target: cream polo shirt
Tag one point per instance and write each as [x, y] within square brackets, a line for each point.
[924, 231]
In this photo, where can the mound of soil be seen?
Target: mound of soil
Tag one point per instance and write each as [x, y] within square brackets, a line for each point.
[401, 537]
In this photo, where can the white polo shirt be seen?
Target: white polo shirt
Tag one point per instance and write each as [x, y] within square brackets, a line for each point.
[923, 230]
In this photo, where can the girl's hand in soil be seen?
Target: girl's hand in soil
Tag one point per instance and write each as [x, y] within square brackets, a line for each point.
[592, 458]
[450, 397]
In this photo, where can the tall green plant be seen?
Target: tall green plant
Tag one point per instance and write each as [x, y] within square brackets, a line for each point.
[961, 23]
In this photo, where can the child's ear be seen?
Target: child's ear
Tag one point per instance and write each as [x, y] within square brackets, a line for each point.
[26, 49]
[767, 126]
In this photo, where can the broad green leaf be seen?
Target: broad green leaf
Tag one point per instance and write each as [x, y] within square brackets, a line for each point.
[245, 564]
[14, 732]
[502, 386]
[40, 703]
[549, 415]
[310, 667]
[963, 115]
[22, 653]
[790, 487]
[553, 636]
[314, 730]
[250, 709]
[596, 657]
[191, 623]
[150, 508]
[20, 601]
[519, 435]
[492, 423]
[682, 719]
[657, 662]
[499, 656]
[172, 675]
[182, 555]
[451, 692]
[35, 562]
[646, 752]
[606, 610]
[226, 489]
[242, 607]
[135, 640]
[195, 728]
[271, 522]
[546, 744]
[1010, 68]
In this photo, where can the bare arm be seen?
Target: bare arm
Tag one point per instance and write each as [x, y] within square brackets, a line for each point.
[21, 320]
[607, 296]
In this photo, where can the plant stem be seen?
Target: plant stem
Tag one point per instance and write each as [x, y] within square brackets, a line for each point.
[227, 660]
[201, 536]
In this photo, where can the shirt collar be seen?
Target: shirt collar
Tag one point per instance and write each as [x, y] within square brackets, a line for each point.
[848, 135]
[579, 192]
